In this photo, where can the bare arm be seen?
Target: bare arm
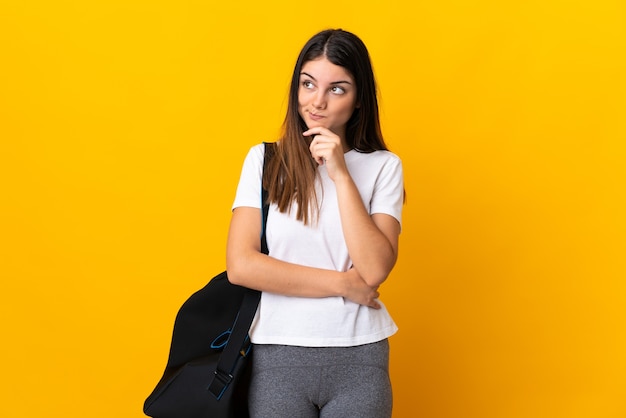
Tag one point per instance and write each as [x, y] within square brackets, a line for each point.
[372, 241]
[247, 266]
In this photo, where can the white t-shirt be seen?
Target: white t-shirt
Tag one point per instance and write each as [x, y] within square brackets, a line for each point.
[330, 321]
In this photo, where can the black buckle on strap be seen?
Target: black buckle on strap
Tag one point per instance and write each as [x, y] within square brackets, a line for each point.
[223, 377]
[220, 383]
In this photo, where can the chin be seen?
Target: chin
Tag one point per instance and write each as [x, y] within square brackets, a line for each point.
[316, 124]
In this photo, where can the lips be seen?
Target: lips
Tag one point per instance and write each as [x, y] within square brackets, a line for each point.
[314, 116]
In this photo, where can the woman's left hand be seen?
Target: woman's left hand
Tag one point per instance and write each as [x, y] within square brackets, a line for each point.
[327, 148]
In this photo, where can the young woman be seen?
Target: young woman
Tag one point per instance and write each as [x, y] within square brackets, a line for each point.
[336, 194]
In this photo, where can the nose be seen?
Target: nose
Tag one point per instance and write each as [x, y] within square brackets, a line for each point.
[319, 100]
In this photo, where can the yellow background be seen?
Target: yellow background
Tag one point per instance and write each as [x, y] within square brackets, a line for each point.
[123, 126]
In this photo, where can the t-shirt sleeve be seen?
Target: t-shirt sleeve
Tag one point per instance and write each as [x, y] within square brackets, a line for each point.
[249, 187]
[388, 194]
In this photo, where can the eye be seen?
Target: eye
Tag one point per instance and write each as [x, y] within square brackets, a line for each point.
[307, 84]
[337, 90]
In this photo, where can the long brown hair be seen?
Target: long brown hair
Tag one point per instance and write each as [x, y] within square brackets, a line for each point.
[292, 171]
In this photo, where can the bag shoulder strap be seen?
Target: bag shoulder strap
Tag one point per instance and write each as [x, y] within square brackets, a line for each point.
[269, 153]
[238, 342]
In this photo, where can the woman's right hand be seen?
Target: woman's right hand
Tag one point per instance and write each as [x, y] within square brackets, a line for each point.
[360, 292]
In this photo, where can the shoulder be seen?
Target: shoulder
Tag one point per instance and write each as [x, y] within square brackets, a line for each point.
[254, 157]
[256, 151]
[380, 154]
[380, 158]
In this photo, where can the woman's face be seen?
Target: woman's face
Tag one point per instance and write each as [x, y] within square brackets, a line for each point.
[326, 96]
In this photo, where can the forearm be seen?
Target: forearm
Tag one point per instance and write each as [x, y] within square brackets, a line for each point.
[261, 272]
[372, 252]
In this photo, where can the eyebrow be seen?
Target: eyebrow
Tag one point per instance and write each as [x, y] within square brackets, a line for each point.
[334, 82]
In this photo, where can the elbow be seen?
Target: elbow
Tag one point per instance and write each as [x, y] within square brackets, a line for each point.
[375, 279]
[242, 268]
[375, 275]
[235, 271]
[234, 277]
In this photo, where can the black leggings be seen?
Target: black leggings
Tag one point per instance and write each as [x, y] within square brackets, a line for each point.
[328, 382]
